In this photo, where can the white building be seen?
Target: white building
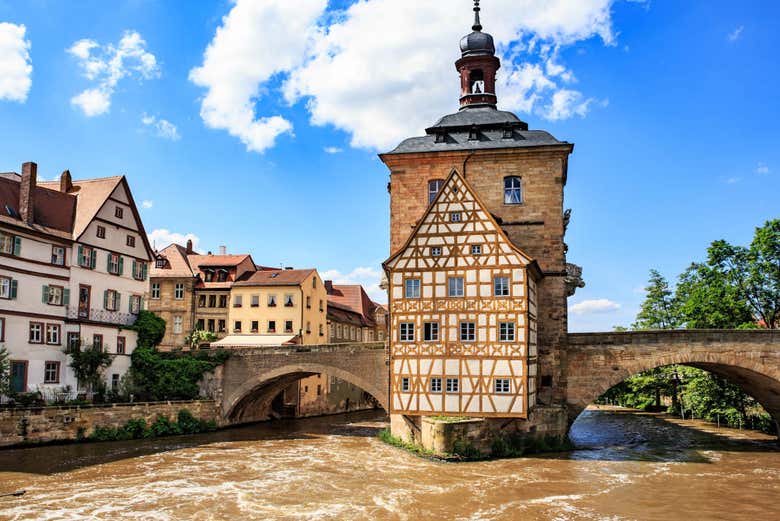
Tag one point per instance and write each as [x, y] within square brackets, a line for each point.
[73, 271]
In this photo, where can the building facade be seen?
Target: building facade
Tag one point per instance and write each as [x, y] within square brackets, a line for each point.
[352, 315]
[75, 263]
[478, 259]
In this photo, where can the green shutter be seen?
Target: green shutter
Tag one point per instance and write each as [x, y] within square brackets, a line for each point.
[121, 264]
[45, 296]
[93, 260]
[105, 299]
[135, 266]
[117, 301]
[145, 267]
[14, 285]
[17, 246]
[65, 297]
[140, 304]
[81, 255]
[108, 263]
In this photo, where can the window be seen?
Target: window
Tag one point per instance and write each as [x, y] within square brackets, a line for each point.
[222, 276]
[255, 326]
[2, 330]
[101, 232]
[177, 325]
[407, 331]
[51, 373]
[468, 332]
[476, 249]
[308, 302]
[502, 386]
[237, 326]
[114, 264]
[453, 385]
[159, 262]
[322, 331]
[288, 301]
[272, 326]
[455, 217]
[8, 288]
[111, 300]
[121, 345]
[201, 324]
[36, 333]
[431, 331]
[455, 287]
[223, 301]
[501, 286]
[436, 385]
[271, 301]
[211, 325]
[513, 193]
[97, 342]
[405, 385]
[255, 301]
[237, 301]
[221, 326]
[322, 305]
[308, 327]
[212, 301]
[178, 292]
[114, 382]
[58, 255]
[209, 276]
[156, 290]
[53, 295]
[131, 241]
[73, 341]
[201, 301]
[119, 212]
[314, 283]
[288, 326]
[135, 304]
[10, 244]
[87, 257]
[412, 289]
[53, 334]
[433, 189]
[506, 332]
[436, 251]
[139, 270]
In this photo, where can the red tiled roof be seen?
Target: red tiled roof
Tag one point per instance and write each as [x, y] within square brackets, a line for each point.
[53, 209]
[177, 265]
[354, 298]
[216, 261]
[91, 195]
[275, 278]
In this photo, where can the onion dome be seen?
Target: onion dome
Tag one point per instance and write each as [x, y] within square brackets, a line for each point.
[477, 43]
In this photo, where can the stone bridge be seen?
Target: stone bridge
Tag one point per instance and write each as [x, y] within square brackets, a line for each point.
[593, 363]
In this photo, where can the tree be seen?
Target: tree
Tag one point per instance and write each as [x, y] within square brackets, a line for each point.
[706, 300]
[198, 337]
[659, 309]
[150, 329]
[88, 364]
[5, 372]
[754, 271]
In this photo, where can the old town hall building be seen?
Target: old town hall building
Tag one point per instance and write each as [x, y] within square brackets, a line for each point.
[477, 277]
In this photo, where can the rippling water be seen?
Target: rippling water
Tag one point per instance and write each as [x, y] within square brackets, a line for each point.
[629, 466]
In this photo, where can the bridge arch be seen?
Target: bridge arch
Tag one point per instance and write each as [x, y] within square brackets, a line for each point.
[598, 362]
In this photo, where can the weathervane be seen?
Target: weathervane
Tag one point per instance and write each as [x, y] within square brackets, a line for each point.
[477, 25]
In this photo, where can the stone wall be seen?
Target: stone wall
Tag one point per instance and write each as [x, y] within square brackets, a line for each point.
[50, 424]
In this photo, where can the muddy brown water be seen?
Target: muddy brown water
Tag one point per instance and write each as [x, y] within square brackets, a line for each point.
[628, 466]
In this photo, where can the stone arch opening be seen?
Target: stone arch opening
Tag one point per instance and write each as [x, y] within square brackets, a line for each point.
[253, 400]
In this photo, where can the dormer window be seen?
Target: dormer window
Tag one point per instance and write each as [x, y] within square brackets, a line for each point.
[209, 276]
[513, 192]
[473, 134]
[440, 137]
[160, 262]
[508, 132]
[222, 275]
[433, 189]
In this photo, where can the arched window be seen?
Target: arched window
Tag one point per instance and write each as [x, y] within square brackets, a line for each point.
[477, 81]
[433, 189]
[513, 191]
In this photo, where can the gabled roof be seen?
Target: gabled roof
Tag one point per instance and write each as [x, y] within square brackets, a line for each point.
[91, 195]
[275, 278]
[53, 210]
[177, 263]
[353, 298]
[455, 183]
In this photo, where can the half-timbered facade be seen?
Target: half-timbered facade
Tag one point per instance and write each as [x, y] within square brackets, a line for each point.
[463, 314]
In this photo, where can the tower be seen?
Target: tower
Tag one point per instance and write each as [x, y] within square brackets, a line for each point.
[477, 204]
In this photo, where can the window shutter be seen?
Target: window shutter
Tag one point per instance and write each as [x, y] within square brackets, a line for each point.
[105, 299]
[14, 285]
[121, 264]
[17, 246]
[45, 296]
[65, 297]
[145, 268]
[117, 301]
[108, 263]
[81, 255]
[93, 260]
[140, 303]
[135, 267]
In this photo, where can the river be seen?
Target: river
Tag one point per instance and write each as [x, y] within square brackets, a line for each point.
[628, 466]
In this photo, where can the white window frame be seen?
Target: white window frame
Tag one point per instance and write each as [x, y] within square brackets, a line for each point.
[113, 267]
[135, 304]
[505, 287]
[513, 190]
[5, 287]
[507, 332]
[452, 385]
[178, 291]
[178, 323]
[406, 332]
[468, 331]
[6, 243]
[155, 291]
[53, 334]
[405, 384]
[58, 255]
[502, 386]
[35, 333]
[434, 187]
[462, 287]
[289, 301]
[412, 288]
[435, 384]
[55, 295]
[436, 251]
[431, 332]
[476, 249]
[238, 301]
[456, 217]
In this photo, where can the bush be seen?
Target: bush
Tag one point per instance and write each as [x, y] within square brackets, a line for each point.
[136, 429]
[162, 426]
[466, 451]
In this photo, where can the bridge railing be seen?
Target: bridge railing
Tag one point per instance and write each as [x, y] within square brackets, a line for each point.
[697, 336]
[319, 348]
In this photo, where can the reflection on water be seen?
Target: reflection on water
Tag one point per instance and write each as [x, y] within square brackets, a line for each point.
[629, 466]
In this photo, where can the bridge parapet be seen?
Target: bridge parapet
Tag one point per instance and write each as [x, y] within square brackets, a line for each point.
[680, 336]
[320, 348]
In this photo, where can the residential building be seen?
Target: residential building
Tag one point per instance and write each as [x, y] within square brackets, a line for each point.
[74, 263]
[352, 315]
[172, 294]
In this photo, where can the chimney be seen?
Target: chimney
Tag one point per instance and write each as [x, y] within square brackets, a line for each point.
[223, 250]
[27, 192]
[189, 246]
[66, 183]
[329, 287]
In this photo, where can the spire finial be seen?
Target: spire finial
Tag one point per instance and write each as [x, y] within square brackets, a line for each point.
[477, 25]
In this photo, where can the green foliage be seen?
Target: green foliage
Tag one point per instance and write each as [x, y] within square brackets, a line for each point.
[5, 372]
[706, 300]
[516, 445]
[150, 329]
[464, 450]
[156, 376]
[388, 438]
[199, 337]
[88, 364]
[658, 311]
[137, 429]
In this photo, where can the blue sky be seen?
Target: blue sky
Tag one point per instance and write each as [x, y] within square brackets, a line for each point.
[256, 124]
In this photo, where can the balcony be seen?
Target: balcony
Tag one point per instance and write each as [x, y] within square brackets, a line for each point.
[101, 316]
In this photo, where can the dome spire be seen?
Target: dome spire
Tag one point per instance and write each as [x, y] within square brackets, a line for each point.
[477, 24]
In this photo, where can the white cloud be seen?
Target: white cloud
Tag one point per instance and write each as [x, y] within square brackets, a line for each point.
[15, 63]
[382, 70]
[734, 35]
[162, 238]
[333, 150]
[256, 41]
[147, 204]
[369, 278]
[762, 169]
[733, 180]
[162, 127]
[107, 65]
[590, 307]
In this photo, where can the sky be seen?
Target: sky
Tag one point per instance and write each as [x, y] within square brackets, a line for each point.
[256, 124]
